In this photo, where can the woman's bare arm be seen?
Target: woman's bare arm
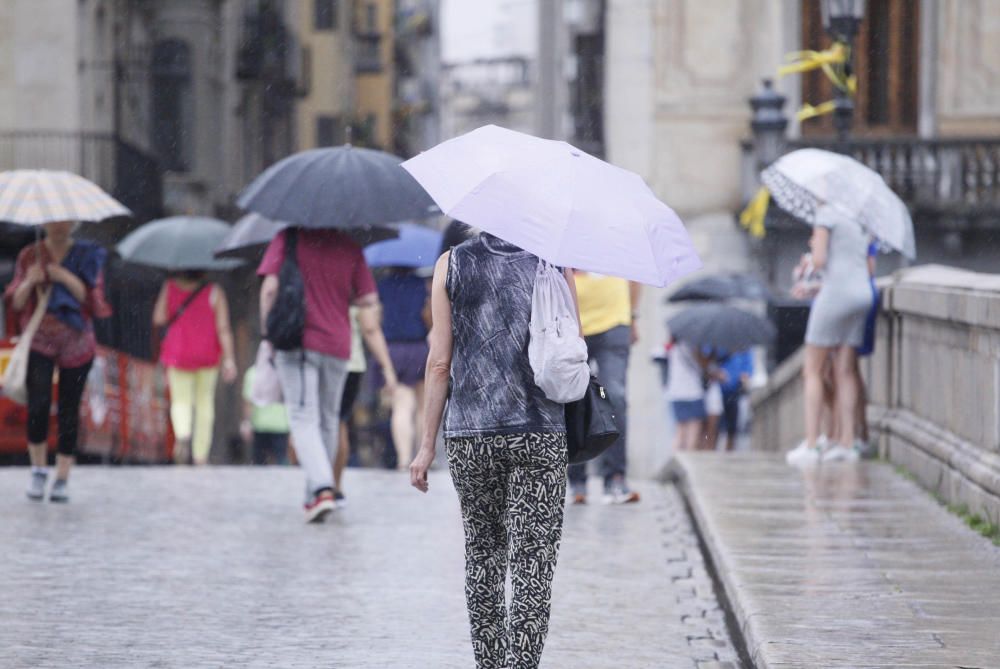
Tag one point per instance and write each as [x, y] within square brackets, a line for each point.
[371, 332]
[160, 308]
[224, 331]
[436, 376]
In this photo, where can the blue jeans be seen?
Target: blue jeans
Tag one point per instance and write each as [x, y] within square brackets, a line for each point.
[610, 350]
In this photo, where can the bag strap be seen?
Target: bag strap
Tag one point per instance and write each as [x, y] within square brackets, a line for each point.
[184, 305]
[36, 317]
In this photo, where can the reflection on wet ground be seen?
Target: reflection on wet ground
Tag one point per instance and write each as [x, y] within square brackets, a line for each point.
[845, 565]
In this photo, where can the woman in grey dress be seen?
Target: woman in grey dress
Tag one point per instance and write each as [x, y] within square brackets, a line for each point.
[836, 327]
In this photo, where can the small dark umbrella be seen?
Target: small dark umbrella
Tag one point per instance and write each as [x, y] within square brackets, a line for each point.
[250, 236]
[722, 287]
[342, 187]
[721, 326]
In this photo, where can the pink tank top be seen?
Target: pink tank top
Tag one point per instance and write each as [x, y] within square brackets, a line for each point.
[192, 342]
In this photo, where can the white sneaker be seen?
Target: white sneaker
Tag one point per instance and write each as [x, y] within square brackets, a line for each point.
[803, 456]
[840, 453]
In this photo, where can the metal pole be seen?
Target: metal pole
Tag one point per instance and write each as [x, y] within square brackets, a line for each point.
[548, 80]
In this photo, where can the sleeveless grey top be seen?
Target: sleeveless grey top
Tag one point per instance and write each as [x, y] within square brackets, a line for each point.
[493, 391]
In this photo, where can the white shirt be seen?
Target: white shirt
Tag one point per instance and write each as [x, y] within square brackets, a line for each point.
[685, 380]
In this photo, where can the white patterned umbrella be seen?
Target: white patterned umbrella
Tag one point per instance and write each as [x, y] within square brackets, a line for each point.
[37, 197]
[801, 181]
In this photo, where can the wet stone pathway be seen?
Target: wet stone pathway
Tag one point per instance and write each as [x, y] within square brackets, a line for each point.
[176, 567]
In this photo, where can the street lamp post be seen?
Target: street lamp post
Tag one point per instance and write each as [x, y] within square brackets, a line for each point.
[841, 19]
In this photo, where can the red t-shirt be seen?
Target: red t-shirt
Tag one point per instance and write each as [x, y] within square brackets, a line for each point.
[335, 274]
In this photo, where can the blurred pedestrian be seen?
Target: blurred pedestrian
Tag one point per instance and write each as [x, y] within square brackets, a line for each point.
[737, 369]
[686, 394]
[73, 271]
[193, 315]
[835, 329]
[609, 308]
[506, 445]
[404, 295]
[335, 276]
[365, 331]
[264, 427]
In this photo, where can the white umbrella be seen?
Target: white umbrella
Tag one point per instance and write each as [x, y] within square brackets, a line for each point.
[37, 197]
[801, 181]
[558, 202]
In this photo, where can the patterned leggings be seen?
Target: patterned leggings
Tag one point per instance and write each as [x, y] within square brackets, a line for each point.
[512, 489]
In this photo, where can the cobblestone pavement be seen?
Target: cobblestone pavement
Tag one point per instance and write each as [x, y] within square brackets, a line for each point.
[176, 567]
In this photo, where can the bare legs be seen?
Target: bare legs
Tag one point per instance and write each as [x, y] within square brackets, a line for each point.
[406, 421]
[845, 366]
[687, 436]
[847, 391]
[812, 377]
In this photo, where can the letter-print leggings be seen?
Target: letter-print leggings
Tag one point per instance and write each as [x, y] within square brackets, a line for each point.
[512, 490]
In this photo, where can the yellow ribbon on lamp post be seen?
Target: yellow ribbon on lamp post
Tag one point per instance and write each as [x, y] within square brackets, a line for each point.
[752, 217]
[831, 61]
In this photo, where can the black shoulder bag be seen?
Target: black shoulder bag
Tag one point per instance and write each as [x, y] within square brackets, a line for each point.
[286, 322]
[590, 424]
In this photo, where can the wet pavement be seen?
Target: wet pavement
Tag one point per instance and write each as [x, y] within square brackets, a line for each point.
[177, 567]
[845, 565]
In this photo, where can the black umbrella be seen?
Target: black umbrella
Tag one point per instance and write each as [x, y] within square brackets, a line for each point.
[342, 187]
[721, 326]
[251, 234]
[722, 287]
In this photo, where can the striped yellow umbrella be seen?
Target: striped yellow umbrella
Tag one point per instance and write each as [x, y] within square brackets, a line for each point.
[37, 197]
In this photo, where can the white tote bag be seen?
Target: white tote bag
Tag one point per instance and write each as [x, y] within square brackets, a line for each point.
[556, 351]
[266, 387]
[15, 377]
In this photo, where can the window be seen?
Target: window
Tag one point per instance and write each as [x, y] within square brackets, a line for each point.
[886, 62]
[171, 104]
[325, 14]
[328, 131]
[371, 17]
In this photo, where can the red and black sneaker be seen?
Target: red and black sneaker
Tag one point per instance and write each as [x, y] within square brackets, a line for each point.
[319, 507]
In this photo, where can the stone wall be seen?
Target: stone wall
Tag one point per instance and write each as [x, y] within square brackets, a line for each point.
[934, 386]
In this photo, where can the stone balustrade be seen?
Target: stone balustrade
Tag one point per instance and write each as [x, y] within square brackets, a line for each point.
[933, 384]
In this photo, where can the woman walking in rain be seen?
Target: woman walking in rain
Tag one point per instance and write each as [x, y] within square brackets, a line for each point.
[835, 330]
[72, 270]
[195, 314]
[506, 444]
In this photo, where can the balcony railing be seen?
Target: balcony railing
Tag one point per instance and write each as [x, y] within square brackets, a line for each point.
[125, 171]
[270, 53]
[937, 178]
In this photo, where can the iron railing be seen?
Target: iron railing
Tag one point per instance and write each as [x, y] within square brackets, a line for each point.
[938, 178]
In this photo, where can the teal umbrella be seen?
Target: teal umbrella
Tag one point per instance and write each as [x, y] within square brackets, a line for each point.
[178, 243]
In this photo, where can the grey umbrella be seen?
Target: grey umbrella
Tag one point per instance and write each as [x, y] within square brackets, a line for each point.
[342, 187]
[250, 235]
[722, 287]
[721, 326]
[177, 243]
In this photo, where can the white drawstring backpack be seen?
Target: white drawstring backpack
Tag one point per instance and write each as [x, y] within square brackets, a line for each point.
[556, 351]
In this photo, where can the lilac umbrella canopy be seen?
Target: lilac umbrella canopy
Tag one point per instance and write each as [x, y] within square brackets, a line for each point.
[558, 202]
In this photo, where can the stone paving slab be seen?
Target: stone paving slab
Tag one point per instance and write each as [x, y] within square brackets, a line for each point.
[184, 568]
[844, 565]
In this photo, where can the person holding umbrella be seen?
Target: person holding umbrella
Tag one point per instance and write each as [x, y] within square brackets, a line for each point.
[191, 314]
[322, 195]
[195, 314]
[506, 441]
[63, 280]
[847, 204]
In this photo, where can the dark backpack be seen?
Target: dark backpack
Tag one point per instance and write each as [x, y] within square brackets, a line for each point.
[286, 322]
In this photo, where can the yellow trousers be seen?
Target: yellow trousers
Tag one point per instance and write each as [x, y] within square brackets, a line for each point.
[192, 407]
